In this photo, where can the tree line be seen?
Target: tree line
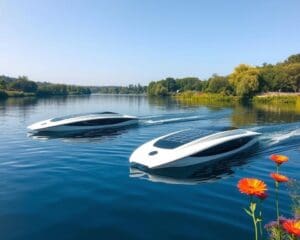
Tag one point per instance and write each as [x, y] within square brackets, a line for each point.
[13, 86]
[245, 80]
[131, 89]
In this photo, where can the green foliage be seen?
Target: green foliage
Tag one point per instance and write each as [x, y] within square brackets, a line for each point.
[131, 89]
[293, 59]
[269, 99]
[22, 87]
[158, 89]
[190, 97]
[48, 89]
[170, 85]
[245, 80]
[189, 84]
[218, 84]
[23, 84]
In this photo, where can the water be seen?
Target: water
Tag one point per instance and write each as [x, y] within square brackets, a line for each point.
[83, 187]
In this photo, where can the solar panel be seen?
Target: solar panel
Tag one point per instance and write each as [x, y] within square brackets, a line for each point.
[181, 138]
[81, 115]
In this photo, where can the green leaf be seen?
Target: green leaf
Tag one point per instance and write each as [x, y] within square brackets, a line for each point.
[248, 212]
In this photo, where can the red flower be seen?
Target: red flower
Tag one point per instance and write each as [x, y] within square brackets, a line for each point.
[279, 178]
[252, 186]
[292, 226]
[279, 159]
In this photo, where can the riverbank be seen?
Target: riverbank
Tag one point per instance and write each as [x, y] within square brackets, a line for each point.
[276, 98]
[194, 98]
[19, 94]
[267, 98]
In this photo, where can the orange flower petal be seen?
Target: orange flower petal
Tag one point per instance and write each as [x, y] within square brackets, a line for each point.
[252, 186]
[279, 159]
[279, 177]
[292, 226]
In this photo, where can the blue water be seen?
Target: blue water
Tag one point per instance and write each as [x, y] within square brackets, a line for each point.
[83, 187]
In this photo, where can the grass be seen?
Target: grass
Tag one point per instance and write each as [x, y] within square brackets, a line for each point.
[190, 97]
[19, 94]
[280, 99]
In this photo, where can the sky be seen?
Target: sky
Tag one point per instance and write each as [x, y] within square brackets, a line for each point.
[122, 42]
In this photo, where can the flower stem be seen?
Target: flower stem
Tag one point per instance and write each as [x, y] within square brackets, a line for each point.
[255, 225]
[252, 209]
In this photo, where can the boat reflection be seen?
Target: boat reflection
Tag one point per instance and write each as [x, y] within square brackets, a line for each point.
[196, 174]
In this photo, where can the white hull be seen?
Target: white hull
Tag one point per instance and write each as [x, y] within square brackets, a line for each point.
[173, 150]
[84, 122]
[63, 128]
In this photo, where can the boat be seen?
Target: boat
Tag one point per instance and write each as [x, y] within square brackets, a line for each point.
[84, 122]
[192, 146]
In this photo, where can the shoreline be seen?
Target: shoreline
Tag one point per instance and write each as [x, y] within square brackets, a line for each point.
[185, 97]
[210, 98]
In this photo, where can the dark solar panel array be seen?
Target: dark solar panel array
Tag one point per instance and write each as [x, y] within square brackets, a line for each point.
[79, 115]
[181, 138]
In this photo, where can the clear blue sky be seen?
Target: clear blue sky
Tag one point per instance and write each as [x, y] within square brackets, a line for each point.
[118, 42]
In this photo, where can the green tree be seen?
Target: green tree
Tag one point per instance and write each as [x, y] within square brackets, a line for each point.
[293, 59]
[188, 83]
[245, 80]
[2, 84]
[23, 84]
[268, 73]
[217, 84]
[160, 90]
[170, 84]
[293, 73]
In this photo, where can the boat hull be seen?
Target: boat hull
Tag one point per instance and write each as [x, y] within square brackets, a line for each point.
[188, 161]
[70, 128]
[192, 147]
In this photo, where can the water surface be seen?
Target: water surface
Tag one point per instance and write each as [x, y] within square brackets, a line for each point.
[83, 187]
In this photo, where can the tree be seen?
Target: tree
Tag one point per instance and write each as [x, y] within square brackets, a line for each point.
[293, 59]
[160, 90]
[188, 83]
[151, 88]
[245, 80]
[268, 73]
[23, 84]
[2, 84]
[217, 84]
[293, 75]
[170, 84]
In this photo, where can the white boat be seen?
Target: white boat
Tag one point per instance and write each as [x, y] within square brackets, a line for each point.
[84, 122]
[192, 146]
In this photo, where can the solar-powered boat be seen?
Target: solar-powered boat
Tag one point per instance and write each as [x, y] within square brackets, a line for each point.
[84, 122]
[192, 146]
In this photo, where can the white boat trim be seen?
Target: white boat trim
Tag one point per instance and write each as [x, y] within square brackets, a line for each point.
[64, 124]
